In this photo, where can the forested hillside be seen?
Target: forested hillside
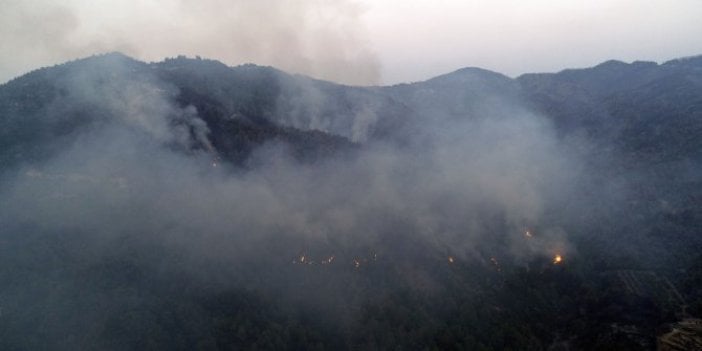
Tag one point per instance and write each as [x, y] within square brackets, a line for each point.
[186, 204]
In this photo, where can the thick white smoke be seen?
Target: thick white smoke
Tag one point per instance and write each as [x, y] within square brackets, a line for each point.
[321, 38]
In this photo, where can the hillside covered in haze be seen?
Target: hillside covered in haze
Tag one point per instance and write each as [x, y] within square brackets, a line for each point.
[185, 204]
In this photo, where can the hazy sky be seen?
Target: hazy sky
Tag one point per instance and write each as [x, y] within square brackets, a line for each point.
[354, 41]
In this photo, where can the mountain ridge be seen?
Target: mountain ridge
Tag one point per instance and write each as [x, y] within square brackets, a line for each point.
[185, 204]
[588, 100]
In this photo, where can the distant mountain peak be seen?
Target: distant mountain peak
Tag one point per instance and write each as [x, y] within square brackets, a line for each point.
[612, 64]
[469, 76]
[690, 61]
[472, 72]
[113, 56]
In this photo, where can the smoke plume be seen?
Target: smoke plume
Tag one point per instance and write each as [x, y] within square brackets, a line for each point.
[324, 39]
[132, 209]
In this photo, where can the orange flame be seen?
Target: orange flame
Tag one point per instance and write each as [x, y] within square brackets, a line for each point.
[557, 259]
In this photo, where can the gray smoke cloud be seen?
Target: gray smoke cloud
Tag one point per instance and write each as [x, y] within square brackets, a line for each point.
[505, 162]
[133, 191]
[304, 104]
[324, 39]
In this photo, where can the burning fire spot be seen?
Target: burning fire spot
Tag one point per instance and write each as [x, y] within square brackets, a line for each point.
[557, 259]
[303, 259]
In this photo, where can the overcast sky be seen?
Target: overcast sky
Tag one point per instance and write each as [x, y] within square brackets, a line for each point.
[354, 41]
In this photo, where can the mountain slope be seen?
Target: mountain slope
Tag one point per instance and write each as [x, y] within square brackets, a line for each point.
[45, 110]
[186, 204]
[644, 108]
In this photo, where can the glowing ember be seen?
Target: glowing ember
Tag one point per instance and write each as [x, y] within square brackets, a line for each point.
[557, 259]
[450, 259]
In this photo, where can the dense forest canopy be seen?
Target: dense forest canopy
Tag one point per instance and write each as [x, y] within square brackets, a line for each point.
[185, 204]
